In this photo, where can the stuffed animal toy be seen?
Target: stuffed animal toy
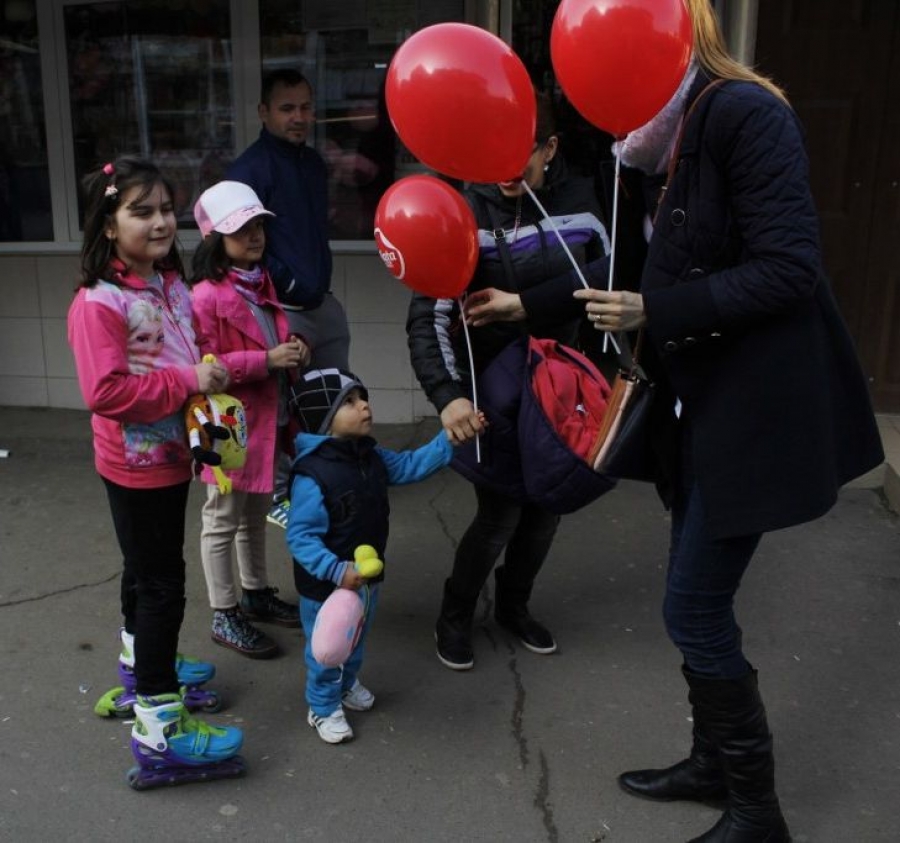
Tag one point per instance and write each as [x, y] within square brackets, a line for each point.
[366, 561]
[338, 627]
[342, 615]
[217, 432]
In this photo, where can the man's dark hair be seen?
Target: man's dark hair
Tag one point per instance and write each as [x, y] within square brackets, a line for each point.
[286, 76]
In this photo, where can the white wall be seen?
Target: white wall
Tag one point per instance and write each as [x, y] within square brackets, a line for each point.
[36, 367]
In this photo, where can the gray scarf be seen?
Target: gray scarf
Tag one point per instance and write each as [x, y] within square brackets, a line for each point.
[649, 147]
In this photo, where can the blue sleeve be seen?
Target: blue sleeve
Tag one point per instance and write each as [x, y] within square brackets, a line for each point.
[410, 466]
[307, 526]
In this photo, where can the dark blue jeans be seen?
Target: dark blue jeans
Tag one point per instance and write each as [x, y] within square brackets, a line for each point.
[703, 577]
[149, 525]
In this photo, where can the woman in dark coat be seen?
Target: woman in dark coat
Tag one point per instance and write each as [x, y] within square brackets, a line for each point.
[760, 388]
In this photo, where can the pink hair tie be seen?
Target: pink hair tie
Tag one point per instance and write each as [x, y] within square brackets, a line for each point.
[108, 169]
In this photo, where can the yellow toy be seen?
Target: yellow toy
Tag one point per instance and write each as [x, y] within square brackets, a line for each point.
[217, 432]
[366, 561]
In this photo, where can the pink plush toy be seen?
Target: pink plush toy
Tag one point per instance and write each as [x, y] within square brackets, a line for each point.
[338, 627]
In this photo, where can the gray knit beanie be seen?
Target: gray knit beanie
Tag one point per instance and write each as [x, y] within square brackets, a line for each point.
[317, 395]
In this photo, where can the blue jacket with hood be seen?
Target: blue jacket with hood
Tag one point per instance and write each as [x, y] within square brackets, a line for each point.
[339, 501]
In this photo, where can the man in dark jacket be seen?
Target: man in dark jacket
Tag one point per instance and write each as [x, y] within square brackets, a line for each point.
[292, 181]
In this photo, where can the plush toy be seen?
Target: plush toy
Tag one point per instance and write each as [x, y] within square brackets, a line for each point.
[217, 432]
[342, 615]
[366, 561]
[338, 627]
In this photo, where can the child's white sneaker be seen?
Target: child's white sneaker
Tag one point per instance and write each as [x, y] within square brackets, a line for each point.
[331, 729]
[358, 698]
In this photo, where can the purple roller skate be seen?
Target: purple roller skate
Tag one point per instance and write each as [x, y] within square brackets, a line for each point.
[172, 747]
[192, 675]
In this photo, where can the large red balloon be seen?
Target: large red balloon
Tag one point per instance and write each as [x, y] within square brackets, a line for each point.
[620, 61]
[462, 102]
[427, 236]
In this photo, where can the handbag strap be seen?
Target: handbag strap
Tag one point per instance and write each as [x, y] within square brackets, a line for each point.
[676, 150]
[629, 361]
[628, 358]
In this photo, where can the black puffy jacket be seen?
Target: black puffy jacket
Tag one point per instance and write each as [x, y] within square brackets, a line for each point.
[436, 339]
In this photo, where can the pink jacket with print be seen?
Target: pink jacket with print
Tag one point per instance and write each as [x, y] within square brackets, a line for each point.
[135, 354]
[227, 327]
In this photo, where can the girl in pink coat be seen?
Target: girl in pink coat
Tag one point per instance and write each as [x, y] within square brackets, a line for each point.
[131, 334]
[238, 319]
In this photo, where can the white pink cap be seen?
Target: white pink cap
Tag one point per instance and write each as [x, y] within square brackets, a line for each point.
[226, 207]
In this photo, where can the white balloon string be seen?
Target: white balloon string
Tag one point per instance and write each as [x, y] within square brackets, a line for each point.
[612, 248]
[565, 246]
[559, 236]
[462, 317]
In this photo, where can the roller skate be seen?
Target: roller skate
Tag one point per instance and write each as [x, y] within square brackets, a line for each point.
[172, 747]
[192, 674]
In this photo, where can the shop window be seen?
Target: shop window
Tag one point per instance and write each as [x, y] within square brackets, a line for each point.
[344, 49]
[24, 173]
[149, 82]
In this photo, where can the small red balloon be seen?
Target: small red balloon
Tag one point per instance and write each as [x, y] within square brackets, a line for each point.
[427, 236]
[462, 102]
[620, 61]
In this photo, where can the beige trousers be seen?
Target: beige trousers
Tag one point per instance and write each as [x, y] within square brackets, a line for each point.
[235, 520]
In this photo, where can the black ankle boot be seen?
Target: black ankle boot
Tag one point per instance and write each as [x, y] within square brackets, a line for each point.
[453, 632]
[733, 712]
[511, 612]
[699, 777]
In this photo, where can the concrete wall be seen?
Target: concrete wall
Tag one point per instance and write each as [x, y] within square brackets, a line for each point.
[37, 370]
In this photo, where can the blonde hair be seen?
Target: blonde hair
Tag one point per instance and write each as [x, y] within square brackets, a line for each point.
[712, 54]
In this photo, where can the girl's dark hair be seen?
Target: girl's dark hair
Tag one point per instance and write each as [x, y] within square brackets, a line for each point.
[545, 122]
[210, 262]
[103, 192]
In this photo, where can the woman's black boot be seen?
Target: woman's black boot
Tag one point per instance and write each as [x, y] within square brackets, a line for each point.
[699, 777]
[733, 713]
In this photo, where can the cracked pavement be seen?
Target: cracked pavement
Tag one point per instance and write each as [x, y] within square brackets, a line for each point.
[522, 748]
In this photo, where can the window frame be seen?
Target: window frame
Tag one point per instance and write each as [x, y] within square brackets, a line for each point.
[247, 77]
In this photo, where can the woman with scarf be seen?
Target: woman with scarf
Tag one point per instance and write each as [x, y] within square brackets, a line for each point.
[758, 385]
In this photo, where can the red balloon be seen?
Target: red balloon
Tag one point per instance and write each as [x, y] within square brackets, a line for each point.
[620, 61]
[427, 236]
[462, 102]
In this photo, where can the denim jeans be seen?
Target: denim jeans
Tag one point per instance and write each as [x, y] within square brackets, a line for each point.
[325, 686]
[703, 576]
[149, 525]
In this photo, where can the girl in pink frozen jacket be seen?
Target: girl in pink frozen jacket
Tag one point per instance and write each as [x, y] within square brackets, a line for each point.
[137, 362]
[238, 319]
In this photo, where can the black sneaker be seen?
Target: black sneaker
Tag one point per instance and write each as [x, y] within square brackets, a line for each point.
[534, 636]
[262, 605]
[454, 646]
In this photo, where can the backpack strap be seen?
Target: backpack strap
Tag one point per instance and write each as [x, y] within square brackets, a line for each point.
[499, 234]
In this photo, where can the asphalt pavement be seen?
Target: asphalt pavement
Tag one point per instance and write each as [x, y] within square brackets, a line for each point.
[523, 748]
